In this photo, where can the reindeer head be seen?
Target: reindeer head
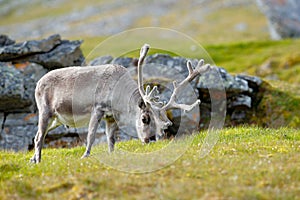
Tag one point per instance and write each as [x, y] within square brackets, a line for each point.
[153, 112]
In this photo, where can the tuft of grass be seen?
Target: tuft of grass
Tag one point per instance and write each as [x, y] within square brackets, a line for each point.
[246, 163]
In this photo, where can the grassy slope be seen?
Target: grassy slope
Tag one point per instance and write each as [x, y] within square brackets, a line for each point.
[248, 57]
[246, 163]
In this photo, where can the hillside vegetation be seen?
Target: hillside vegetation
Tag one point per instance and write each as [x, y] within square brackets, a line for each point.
[208, 21]
[246, 163]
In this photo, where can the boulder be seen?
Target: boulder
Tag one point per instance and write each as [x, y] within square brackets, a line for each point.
[169, 66]
[15, 51]
[18, 131]
[17, 86]
[12, 92]
[232, 84]
[125, 62]
[51, 53]
[283, 17]
[103, 60]
[5, 41]
[66, 54]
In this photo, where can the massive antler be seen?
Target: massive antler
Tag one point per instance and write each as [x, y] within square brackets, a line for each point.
[178, 87]
[150, 97]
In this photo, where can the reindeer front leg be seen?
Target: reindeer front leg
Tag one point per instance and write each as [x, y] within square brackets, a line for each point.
[93, 125]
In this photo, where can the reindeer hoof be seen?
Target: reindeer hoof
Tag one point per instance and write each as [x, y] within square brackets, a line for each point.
[85, 155]
[34, 160]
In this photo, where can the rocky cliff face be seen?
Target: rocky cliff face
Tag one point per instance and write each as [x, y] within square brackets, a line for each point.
[23, 64]
[283, 17]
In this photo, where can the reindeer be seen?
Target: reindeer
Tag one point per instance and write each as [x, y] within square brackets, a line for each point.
[82, 96]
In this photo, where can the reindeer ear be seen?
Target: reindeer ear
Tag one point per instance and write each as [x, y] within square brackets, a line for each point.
[142, 104]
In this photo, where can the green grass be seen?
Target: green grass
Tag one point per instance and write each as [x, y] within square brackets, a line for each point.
[247, 57]
[246, 163]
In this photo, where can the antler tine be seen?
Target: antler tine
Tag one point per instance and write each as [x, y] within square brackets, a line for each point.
[152, 92]
[143, 52]
[200, 63]
[201, 68]
[189, 66]
[152, 96]
[179, 86]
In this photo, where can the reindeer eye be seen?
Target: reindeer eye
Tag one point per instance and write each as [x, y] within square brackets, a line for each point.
[145, 119]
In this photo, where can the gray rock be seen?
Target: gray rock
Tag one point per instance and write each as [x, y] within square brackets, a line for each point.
[254, 82]
[5, 41]
[32, 73]
[17, 86]
[240, 100]
[101, 60]
[11, 52]
[52, 52]
[125, 62]
[219, 79]
[67, 53]
[283, 17]
[12, 89]
[18, 131]
[176, 63]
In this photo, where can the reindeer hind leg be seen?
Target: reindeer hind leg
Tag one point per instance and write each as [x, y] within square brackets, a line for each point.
[111, 128]
[45, 119]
